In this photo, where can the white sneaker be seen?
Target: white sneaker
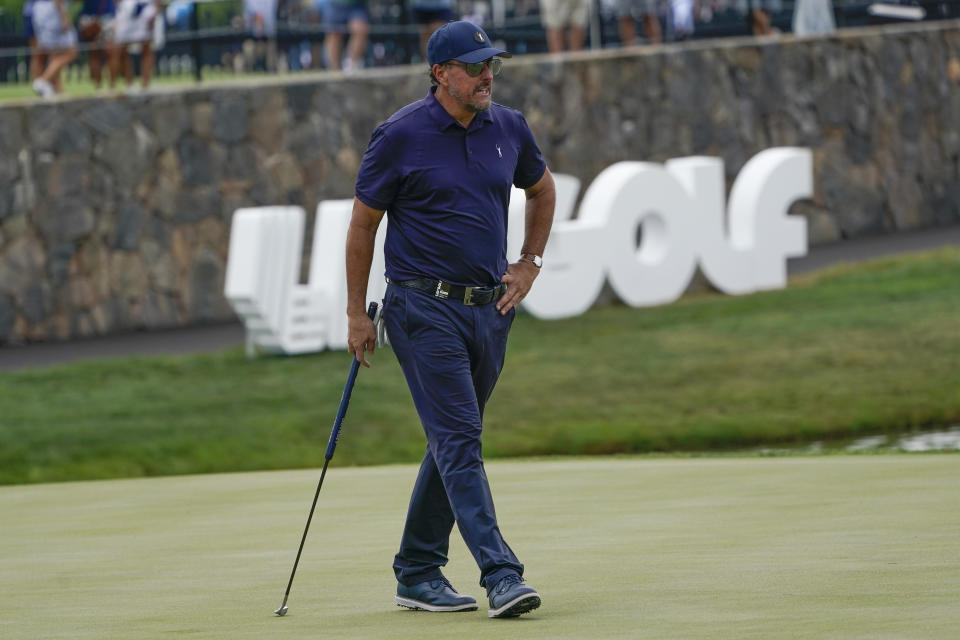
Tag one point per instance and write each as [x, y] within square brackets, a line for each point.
[350, 66]
[43, 88]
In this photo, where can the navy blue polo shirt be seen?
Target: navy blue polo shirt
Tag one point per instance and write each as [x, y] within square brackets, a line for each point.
[446, 189]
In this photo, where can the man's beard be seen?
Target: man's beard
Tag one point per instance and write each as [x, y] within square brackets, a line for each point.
[469, 104]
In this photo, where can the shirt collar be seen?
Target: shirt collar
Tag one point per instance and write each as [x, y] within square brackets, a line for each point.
[445, 120]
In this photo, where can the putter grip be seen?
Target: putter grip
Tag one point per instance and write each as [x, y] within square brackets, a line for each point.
[345, 398]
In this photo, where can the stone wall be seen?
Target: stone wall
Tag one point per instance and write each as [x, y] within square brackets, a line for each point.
[115, 212]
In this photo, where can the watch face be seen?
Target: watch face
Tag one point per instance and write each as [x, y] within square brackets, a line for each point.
[538, 261]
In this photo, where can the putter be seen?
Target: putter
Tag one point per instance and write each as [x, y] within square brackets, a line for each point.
[331, 446]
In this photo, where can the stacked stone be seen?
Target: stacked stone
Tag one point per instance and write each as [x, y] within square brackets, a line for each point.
[115, 213]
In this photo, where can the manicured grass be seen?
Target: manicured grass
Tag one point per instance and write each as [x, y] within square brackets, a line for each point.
[844, 547]
[78, 87]
[856, 350]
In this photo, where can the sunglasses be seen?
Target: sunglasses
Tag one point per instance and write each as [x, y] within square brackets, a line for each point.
[474, 69]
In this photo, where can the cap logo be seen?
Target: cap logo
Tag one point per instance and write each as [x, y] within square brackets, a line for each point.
[478, 36]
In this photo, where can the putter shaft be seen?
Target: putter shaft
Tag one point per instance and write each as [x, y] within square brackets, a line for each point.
[331, 447]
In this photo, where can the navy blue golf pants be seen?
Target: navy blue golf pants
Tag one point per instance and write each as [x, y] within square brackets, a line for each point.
[451, 355]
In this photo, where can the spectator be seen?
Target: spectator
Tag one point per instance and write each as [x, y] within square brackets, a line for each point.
[430, 15]
[565, 22]
[38, 59]
[346, 16]
[645, 11]
[95, 28]
[761, 11]
[179, 13]
[522, 8]
[134, 31]
[316, 14]
[681, 18]
[477, 14]
[57, 40]
[260, 19]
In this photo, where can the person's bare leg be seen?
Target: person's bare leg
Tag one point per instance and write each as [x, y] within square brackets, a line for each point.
[127, 63]
[38, 60]
[95, 60]
[359, 34]
[651, 29]
[113, 64]
[333, 44]
[761, 23]
[58, 61]
[426, 30]
[555, 40]
[146, 64]
[628, 31]
[425, 34]
[576, 37]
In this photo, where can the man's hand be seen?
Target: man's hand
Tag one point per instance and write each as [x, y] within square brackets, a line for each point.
[361, 336]
[538, 218]
[518, 278]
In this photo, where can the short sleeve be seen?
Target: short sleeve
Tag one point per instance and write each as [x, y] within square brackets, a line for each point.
[380, 171]
[530, 162]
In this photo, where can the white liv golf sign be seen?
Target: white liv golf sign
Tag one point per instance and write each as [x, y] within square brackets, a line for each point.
[679, 208]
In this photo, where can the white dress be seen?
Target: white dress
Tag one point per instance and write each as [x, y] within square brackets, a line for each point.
[49, 28]
[133, 23]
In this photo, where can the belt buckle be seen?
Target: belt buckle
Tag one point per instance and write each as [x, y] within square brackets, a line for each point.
[468, 296]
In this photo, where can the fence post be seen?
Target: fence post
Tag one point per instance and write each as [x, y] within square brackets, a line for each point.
[196, 45]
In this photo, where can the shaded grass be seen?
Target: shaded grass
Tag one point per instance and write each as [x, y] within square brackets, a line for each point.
[873, 348]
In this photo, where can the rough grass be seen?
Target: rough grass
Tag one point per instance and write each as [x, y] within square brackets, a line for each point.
[868, 349]
[842, 547]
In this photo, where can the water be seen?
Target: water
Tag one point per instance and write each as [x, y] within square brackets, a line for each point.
[946, 440]
[934, 441]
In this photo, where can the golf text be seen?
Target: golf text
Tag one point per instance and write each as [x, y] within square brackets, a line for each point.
[641, 226]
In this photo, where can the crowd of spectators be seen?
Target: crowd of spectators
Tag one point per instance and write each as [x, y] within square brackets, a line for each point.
[336, 34]
[108, 32]
[559, 25]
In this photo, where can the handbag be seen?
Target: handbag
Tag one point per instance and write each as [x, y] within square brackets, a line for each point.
[89, 28]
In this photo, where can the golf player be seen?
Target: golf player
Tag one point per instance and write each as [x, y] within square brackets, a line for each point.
[443, 167]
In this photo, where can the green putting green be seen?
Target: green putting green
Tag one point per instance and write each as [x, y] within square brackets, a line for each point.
[799, 547]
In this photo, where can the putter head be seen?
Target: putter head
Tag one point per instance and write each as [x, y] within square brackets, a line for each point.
[282, 611]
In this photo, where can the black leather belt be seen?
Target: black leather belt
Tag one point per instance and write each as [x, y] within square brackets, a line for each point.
[467, 295]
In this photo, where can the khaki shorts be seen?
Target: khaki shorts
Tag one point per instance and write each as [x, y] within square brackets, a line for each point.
[557, 14]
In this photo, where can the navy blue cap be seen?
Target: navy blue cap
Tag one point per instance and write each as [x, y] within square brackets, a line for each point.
[463, 41]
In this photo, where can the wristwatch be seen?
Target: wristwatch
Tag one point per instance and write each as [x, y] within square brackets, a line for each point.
[535, 259]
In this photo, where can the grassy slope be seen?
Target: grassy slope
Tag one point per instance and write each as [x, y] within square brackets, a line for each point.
[867, 349]
[824, 547]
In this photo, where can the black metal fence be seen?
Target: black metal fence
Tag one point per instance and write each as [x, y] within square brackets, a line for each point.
[199, 38]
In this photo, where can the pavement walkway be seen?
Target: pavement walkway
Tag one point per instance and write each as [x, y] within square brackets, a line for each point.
[222, 336]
